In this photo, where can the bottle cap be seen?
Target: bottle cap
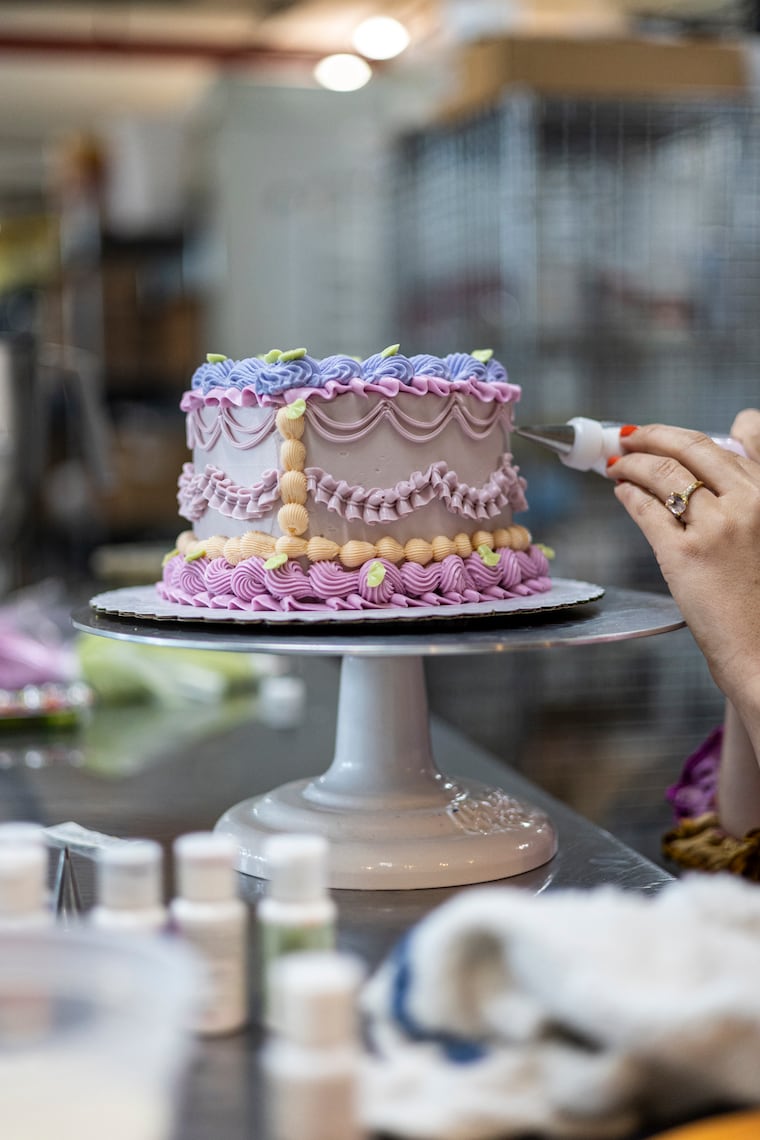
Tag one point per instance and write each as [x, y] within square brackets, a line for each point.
[128, 875]
[23, 879]
[206, 866]
[282, 701]
[297, 867]
[316, 992]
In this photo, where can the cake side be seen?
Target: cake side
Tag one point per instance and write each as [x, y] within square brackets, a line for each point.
[341, 484]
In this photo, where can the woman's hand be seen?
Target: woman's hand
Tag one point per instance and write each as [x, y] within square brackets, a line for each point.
[710, 556]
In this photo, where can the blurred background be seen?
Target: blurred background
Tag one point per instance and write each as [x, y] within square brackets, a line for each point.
[573, 183]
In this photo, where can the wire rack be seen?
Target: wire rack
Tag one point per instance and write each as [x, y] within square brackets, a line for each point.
[609, 252]
[615, 243]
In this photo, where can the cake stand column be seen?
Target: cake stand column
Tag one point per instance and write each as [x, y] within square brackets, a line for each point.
[383, 755]
[394, 821]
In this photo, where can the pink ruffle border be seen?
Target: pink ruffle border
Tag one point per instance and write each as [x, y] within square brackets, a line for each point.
[387, 387]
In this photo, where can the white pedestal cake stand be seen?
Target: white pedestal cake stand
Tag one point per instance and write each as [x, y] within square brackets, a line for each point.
[394, 821]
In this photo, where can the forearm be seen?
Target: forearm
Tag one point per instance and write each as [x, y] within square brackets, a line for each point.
[739, 774]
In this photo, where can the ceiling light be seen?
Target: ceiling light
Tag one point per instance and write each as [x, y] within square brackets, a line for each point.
[342, 72]
[380, 37]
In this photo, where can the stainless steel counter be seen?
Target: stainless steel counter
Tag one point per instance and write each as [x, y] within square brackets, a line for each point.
[186, 779]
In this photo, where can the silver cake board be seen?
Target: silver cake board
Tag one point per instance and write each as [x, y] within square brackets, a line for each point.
[146, 602]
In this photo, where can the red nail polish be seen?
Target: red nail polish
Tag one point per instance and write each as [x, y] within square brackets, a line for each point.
[628, 429]
[612, 459]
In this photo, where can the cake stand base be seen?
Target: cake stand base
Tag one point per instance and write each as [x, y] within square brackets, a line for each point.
[472, 835]
[392, 819]
[395, 821]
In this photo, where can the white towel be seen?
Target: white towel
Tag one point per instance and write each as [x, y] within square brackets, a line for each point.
[571, 1014]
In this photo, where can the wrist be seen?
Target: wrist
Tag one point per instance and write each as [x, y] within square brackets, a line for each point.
[744, 695]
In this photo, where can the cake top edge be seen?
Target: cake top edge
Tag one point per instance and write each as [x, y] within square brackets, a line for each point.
[278, 372]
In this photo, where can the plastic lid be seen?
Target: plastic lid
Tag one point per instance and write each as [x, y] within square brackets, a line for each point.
[205, 866]
[23, 878]
[297, 867]
[129, 875]
[315, 995]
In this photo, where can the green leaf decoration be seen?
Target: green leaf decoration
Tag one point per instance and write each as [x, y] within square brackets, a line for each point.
[295, 410]
[292, 354]
[375, 574]
[482, 354]
[275, 561]
[215, 357]
[168, 557]
[272, 356]
[547, 551]
[489, 557]
[391, 350]
[195, 555]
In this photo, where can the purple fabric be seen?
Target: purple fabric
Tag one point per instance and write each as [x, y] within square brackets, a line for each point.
[695, 792]
[25, 660]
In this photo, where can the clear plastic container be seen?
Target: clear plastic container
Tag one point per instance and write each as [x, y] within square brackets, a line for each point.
[93, 1034]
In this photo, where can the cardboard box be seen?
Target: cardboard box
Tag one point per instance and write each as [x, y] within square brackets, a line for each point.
[627, 68]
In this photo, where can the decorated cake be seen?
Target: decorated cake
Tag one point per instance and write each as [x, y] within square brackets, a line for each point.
[347, 484]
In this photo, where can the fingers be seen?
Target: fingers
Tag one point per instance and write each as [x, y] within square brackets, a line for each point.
[653, 519]
[746, 428]
[663, 478]
[665, 459]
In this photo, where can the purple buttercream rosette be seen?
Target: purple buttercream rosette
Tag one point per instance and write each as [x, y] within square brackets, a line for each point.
[340, 369]
[282, 375]
[424, 364]
[462, 366]
[382, 592]
[212, 374]
[393, 367]
[496, 373]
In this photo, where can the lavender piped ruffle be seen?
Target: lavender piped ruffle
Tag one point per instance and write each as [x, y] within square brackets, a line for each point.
[215, 584]
[199, 490]
[233, 396]
[385, 505]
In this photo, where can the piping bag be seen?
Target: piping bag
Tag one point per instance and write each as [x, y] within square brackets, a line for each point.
[586, 445]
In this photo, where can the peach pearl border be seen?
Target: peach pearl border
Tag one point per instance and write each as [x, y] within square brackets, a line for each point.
[353, 554]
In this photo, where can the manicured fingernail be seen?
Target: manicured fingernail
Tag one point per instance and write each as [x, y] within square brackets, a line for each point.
[612, 460]
[628, 429]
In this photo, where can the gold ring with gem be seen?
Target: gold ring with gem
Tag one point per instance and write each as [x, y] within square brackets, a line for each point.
[678, 501]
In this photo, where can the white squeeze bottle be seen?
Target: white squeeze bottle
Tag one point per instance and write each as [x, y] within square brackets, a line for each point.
[24, 909]
[312, 1062]
[297, 913]
[24, 899]
[209, 915]
[129, 888]
[14, 833]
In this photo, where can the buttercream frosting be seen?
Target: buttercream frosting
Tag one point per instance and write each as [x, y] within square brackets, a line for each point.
[327, 586]
[361, 476]
[257, 380]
